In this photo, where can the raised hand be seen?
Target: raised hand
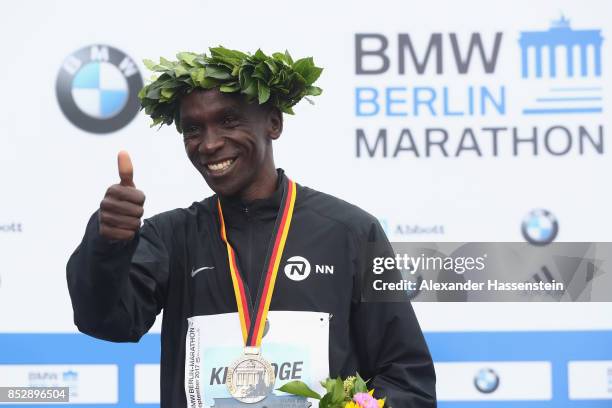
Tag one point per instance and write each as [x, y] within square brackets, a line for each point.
[122, 207]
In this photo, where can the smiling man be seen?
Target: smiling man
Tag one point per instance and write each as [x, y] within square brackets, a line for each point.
[236, 159]
[260, 283]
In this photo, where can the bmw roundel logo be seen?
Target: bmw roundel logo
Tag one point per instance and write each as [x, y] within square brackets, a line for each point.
[486, 381]
[540, 227]
[97, 88]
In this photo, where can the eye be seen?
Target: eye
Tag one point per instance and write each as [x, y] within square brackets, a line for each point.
[190, 131]
[229, 121]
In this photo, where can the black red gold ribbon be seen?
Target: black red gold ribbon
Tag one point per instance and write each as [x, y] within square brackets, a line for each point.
[253, 317]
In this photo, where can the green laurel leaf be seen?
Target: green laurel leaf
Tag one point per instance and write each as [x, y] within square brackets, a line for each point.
[261, 78]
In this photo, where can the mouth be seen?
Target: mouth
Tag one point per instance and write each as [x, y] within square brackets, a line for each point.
[220, 167]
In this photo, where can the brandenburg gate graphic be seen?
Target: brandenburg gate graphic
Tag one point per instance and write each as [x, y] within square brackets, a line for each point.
[247, 374]
[560, 34]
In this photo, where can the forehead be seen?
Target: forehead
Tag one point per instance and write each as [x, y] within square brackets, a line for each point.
[206, 102]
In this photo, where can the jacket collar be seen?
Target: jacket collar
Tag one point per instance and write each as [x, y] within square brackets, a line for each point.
[236, 211]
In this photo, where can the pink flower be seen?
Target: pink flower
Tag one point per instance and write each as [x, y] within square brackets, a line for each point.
[365, 400]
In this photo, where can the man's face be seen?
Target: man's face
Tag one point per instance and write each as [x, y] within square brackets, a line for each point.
[226, 138]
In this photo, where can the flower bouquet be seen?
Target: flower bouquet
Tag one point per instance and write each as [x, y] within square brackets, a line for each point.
[349, 393]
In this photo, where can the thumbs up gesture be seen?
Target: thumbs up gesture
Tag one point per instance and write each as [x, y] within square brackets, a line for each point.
[122, 206]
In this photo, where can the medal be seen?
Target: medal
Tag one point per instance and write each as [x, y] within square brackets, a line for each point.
[251, 377]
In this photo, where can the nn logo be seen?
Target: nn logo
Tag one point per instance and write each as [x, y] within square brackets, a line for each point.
[298, 268]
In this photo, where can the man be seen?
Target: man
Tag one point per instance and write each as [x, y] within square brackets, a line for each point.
[209, 265]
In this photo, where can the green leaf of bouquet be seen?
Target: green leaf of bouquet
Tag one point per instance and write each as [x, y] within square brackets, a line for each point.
[299, 388]
[337, 393]
[360, 385]
[328, 384]
[326, 401]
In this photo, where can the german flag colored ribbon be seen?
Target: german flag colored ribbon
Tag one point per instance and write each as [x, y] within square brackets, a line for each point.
[253, 317]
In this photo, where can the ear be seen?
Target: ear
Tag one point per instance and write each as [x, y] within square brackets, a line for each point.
[275, 123]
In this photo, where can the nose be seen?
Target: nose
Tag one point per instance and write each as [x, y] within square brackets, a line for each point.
[211, 142]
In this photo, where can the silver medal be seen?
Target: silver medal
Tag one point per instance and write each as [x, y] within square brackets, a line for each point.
[250, 378]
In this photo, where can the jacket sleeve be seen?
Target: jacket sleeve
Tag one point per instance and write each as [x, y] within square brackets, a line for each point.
[118, 288]
[392, 350]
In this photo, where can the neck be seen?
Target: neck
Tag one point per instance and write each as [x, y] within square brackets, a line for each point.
[263, 186]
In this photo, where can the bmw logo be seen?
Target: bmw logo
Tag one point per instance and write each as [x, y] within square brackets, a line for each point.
[540, 227]
[486, 381]
[97, 89]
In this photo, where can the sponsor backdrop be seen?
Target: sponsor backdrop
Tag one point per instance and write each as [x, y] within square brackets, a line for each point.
[449, 121]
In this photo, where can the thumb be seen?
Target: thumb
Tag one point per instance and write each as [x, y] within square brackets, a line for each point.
[126, 170]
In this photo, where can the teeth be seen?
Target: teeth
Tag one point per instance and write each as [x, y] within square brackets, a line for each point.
[220, 166]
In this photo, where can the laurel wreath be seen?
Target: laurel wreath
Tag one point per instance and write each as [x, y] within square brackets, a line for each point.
[275, 79]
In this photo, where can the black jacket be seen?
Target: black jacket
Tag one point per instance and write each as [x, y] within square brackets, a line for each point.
[118, 288]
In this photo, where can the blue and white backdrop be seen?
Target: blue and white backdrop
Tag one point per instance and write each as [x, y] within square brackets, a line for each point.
[450, 121]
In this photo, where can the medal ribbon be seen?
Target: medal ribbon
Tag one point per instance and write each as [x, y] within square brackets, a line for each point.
[253, 319]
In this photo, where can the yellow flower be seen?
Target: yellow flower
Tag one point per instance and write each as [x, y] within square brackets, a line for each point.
[381, 402]
[353, 404]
